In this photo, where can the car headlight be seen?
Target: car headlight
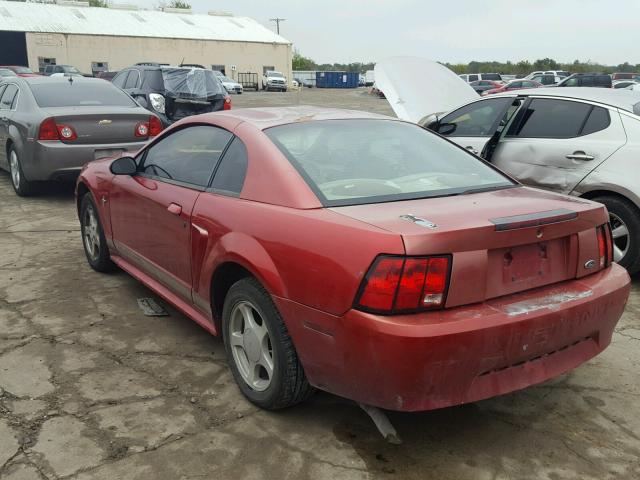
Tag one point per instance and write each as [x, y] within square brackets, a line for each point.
[157, 102]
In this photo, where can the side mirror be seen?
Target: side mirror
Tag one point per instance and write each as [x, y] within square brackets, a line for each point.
[447, 128]
[124, 166]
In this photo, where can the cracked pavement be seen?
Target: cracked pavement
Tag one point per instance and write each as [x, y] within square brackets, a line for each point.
[90, 388]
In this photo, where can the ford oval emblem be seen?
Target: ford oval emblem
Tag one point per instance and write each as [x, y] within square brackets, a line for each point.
[589, 264]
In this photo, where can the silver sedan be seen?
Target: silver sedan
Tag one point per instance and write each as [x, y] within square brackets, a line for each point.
[578, 141]
[50, 127]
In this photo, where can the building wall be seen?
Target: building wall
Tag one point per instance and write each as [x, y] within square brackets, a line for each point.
[120, 52]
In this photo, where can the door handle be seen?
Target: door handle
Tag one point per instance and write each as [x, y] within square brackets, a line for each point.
[174, 208]
[472, 150]
[579, 155]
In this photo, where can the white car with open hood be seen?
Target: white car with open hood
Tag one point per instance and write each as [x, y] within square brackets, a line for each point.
[579, 141]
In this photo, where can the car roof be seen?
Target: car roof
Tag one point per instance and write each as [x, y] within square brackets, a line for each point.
[624, 99]
[268, 117]
[40, 80]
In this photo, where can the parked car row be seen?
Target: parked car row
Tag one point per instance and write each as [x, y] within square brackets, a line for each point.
[559, 78]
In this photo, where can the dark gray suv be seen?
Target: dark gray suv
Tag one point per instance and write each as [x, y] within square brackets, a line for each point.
[173, 93]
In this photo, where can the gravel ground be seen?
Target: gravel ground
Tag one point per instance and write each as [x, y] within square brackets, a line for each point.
[90, 388]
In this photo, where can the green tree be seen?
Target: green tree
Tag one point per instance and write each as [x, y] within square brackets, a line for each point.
[302, 63]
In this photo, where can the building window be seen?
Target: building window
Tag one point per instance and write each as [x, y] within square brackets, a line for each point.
[97, 67]
[219, 68]
[43, 62]
[268, 69]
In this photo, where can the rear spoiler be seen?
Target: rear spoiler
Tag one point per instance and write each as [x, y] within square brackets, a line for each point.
[533, 219]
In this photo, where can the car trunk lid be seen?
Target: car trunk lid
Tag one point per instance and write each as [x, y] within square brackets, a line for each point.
[418, 88]
[97, 126]
[501, 242]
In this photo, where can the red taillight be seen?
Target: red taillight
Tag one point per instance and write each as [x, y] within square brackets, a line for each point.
[605, 245]
[155, 126]
[227, 102]
[404, 284]
[48, 130]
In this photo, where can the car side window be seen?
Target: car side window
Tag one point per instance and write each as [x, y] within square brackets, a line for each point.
[572, 82]
[9, 96]
[121, 78]
[516, 84]
[132, 80]
[473, 78]
[587, 82]
[231, 172]
[548, 118]
[598, 120]
[189, 155]
[477, 119]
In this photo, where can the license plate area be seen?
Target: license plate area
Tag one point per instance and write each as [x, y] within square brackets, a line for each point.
[518, 268]
[107, 152]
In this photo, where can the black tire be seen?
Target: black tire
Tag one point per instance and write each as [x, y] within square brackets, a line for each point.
[289, 385]
[629, 214]
[22, 186]
[100, 259]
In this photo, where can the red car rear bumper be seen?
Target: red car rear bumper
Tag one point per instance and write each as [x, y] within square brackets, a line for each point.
[464, 354]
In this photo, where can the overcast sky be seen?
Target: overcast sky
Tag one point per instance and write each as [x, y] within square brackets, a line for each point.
[452, 31]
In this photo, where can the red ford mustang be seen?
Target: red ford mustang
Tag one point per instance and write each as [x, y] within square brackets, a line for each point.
[358, 254]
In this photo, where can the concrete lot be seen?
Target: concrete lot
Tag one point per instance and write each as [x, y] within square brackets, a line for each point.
[90, 388]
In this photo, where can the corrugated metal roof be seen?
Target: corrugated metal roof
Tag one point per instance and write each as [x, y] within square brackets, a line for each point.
[48, 18]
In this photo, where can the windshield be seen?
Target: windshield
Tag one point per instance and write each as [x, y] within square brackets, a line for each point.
[5, 72]
[70, 69]
[21, 70]
[81, 93]
[226, 79]
[193, 83]
[275, 74]
[350, 162]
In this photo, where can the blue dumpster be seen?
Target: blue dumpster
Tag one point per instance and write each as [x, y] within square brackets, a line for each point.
[337, 79]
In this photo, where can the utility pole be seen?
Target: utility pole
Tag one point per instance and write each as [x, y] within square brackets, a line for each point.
[277, 20]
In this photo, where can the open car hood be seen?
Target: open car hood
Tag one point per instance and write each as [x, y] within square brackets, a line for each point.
[417, 88]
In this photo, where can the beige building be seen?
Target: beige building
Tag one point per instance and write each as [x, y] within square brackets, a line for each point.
[97, 39]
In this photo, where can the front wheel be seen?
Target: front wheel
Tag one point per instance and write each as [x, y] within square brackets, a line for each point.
[625, 228]
[93, 239]
[260, 352]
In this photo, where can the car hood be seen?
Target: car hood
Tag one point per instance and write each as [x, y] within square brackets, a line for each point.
[417, 88]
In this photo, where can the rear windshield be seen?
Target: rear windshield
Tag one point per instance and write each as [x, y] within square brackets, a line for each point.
[350, 162]
[191, 82]
[80, 93]
[21, 70]
[491, 76]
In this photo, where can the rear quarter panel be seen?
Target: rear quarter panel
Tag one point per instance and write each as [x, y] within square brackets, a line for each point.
[314, 257]
[619, 173]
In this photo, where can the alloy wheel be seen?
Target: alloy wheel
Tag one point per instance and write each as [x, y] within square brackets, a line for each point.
[621, 239]
[91, 233]
[14, 167]
[251, 346]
